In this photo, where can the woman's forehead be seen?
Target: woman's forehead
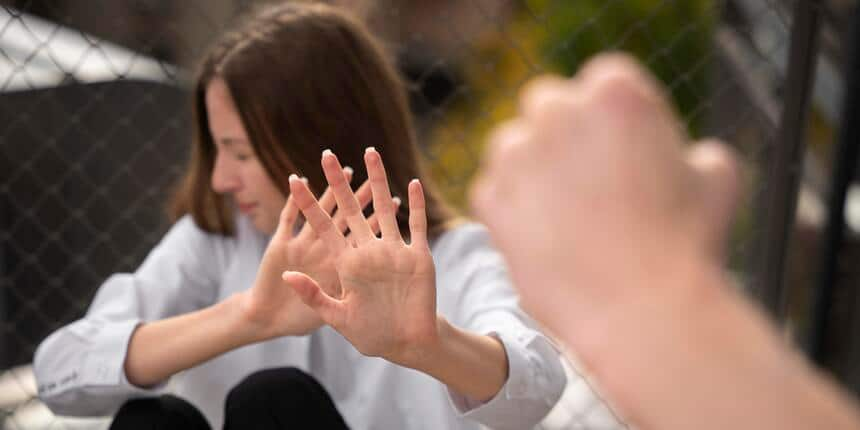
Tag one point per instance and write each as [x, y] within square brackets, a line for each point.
[224, 120]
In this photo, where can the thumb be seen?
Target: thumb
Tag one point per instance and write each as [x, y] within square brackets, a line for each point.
[715, 164]
[329, 309]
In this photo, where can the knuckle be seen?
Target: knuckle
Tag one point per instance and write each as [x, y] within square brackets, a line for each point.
[547, 102]
[610, 61]
[533, 92]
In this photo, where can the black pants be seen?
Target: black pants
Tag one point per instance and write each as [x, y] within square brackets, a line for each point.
[284, 398]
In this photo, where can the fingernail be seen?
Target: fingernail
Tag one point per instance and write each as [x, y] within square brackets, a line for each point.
[304, 179]
[327, 152]
[397, 201]
[293, 177]
[285, 274]
[370, 149]
[348, 170]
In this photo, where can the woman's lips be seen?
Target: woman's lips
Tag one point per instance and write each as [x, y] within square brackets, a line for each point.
[247, 207]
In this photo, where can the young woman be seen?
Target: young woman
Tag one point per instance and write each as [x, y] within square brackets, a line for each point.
[393, 338]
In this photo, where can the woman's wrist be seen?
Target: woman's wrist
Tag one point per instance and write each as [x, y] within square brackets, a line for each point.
[473, 365]
[423, 353]
[233, 311]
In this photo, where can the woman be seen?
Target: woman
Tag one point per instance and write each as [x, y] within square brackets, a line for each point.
[210, 302]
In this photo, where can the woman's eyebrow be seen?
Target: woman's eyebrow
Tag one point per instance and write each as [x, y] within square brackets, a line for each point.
[227, 141]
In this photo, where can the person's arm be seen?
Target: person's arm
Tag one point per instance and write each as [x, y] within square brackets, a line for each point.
[705, 357]
[267, 310]
[468, 363]
[162, 348]
[159, 349]
[614, 232]
[79, 368]
[474, 287]
[144, 327]
[387, 307]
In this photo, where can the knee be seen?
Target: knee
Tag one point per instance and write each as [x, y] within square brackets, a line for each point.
[284, 395]
[143, 408]
[288, 384]
[158, 412]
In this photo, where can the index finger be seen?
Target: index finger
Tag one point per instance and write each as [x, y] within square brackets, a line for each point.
[319, 220]
[346, 200]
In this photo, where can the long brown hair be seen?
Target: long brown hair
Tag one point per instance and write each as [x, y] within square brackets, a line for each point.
[305, 77]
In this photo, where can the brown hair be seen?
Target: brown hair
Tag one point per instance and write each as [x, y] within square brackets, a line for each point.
[305, 77]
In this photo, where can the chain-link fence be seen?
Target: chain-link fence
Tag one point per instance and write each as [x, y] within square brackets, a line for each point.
[95, 113]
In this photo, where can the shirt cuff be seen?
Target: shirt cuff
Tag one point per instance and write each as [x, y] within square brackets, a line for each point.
[536, 380]
[104, 364]
[88, 379]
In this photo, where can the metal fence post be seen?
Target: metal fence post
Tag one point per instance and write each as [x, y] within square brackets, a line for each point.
[846, 158]
[784, 170]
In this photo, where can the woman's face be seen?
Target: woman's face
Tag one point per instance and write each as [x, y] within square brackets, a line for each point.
[237, 171]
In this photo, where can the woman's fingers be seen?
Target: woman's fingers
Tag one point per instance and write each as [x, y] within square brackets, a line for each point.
[328, 308]
[383, 207]
[327, 200]
[328, 204]
[346, 200]
[374, 219]
[316, 216]
[289, 215]
[417, 214]
[348, 214]
[363, 196]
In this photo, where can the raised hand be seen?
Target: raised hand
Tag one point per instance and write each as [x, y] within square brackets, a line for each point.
[272, 306]
[613, 228]
[387, 303]
[591, 193]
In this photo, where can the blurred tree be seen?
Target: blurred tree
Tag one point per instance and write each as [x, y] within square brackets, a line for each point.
[671, 37]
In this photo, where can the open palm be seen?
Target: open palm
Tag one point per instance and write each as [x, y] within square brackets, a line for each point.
[387, 305]
[274, 308]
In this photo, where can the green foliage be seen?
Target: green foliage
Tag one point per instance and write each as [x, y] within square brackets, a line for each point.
[671, 37]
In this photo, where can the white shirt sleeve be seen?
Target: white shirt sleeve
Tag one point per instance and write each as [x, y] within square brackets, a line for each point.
[80, 367]
[486, 303]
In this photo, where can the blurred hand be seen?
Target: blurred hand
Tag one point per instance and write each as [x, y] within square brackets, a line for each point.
[614, 232]
[387, 306]
[591, 194]
[273, 307]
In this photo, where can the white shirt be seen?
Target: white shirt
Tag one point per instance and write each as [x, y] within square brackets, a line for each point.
[79, 368]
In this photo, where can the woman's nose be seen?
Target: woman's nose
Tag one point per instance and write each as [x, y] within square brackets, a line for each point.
[224, 177]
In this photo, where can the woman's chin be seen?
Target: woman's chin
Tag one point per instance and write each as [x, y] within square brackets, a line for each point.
[261, 223]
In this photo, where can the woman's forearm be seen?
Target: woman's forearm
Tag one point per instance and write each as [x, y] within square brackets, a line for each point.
[470, 364]
[162, 348]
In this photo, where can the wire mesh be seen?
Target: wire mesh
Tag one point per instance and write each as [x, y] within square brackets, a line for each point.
[94, 114]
